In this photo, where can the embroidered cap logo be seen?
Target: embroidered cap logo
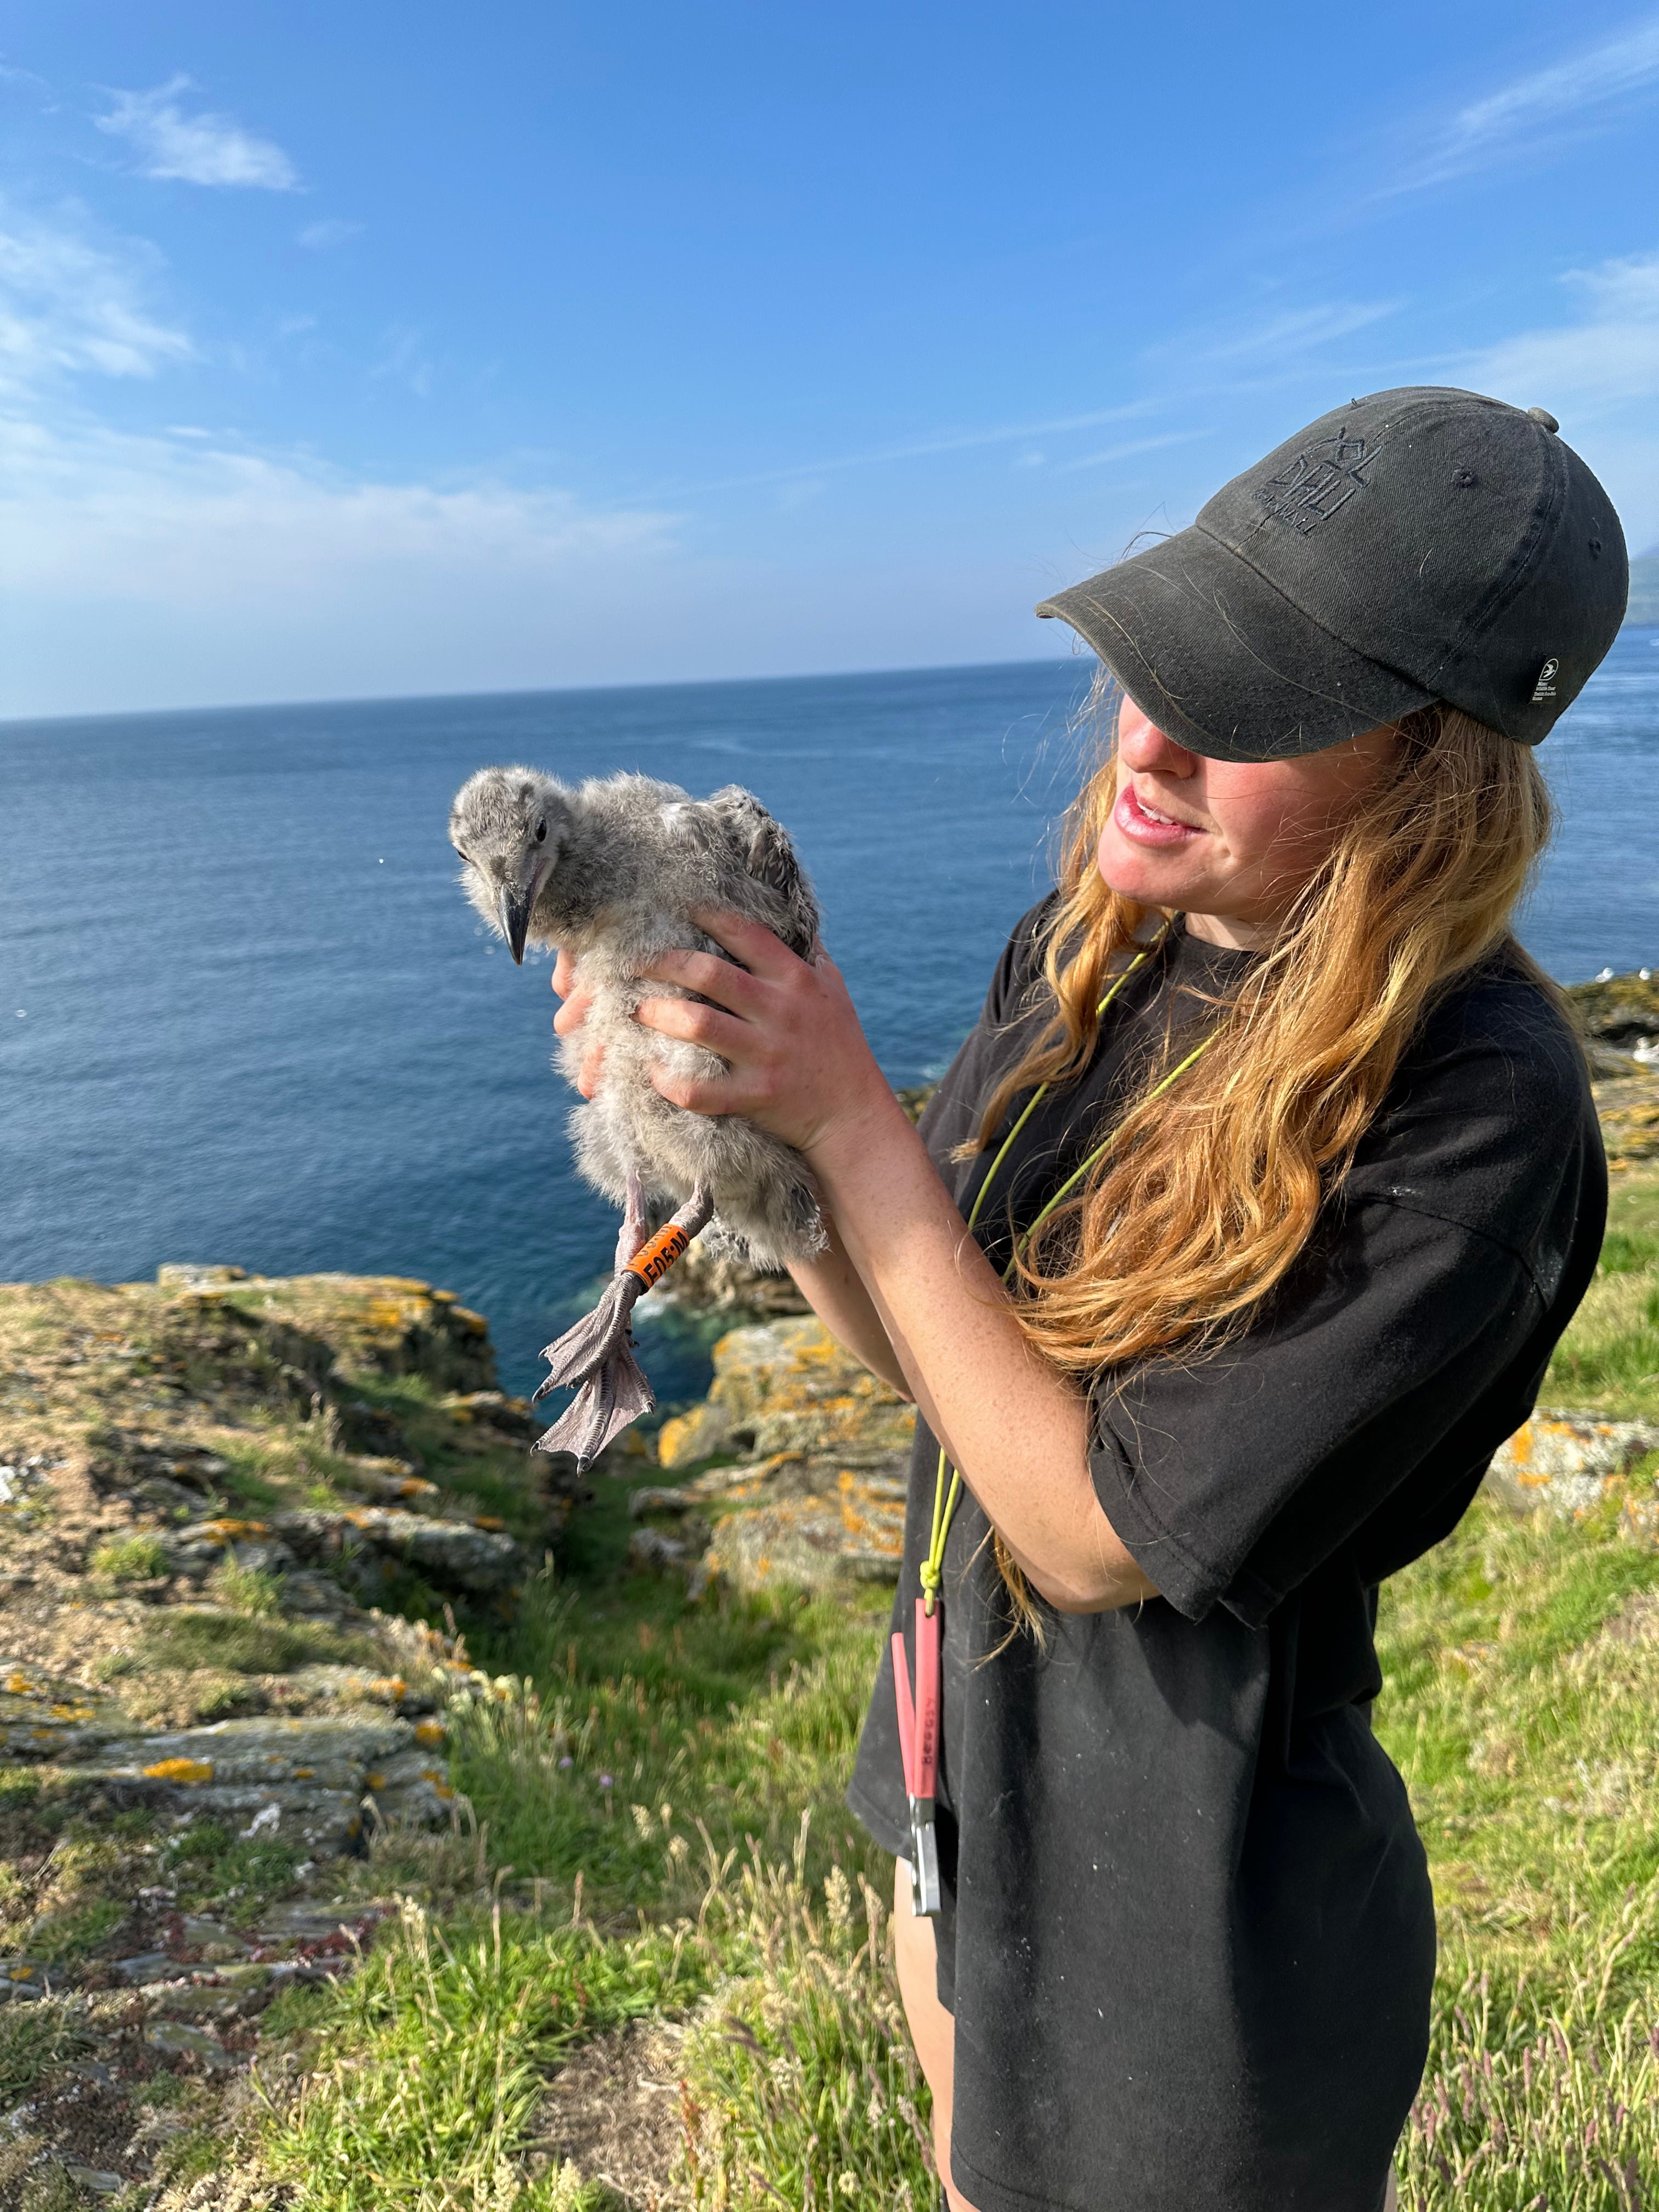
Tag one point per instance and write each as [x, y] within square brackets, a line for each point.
[1545, 687]
[1320, 480]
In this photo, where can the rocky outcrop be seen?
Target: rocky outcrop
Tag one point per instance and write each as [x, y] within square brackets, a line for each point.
[188, 1531]
[229, 1508]
[809, 1488]
[807, 1474]
[1620, 1012]
[1619, 1018]
[310, 1781]
[1571, 1463]
[704, 1281]
[360, 1544]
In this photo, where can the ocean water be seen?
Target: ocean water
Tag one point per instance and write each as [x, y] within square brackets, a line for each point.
[245, 1014]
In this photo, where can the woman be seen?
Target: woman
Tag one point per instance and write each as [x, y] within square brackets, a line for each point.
[1328, 1188]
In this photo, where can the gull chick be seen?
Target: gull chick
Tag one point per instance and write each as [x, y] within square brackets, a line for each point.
[609, 872]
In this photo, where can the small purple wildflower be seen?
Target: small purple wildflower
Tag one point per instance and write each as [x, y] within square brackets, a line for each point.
[567, 1760]
[605, 1782]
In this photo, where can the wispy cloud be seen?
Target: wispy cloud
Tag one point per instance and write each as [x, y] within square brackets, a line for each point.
[930, 442]
[220, 572]
[403, 361]
[1135, 445]
[1298, 331]
[206, 556]
[1605, 357]
[198, 150]
[1597, 370]
[197, 521]
[1535, 112]
[69, 305]
[333, 230]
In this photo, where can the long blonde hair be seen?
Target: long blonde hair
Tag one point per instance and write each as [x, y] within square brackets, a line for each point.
[1208, 1194]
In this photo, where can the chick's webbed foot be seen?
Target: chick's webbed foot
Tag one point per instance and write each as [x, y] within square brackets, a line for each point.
[596, 1357]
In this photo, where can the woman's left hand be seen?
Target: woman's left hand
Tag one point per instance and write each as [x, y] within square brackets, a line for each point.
[799, 1065]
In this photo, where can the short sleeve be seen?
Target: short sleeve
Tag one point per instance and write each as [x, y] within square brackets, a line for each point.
[1413, 1328]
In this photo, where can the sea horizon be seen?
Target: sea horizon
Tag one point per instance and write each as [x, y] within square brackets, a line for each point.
[306, 700]
[248, 1017]
[73, 715]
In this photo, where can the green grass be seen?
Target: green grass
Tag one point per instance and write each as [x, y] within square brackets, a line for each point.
[1609, 1358]
[644, 1764]
[75, 1930]
[1527, 2104]
[448, 2036]
[245, 1644]
[1529, 1737]
[34, 2038]
[741, 1715]
[1526, 1734]
[429, 2065]
[136, 1558]
[213, 1870]
[1624, 1251]
[802, 2083]
[1634, 1203]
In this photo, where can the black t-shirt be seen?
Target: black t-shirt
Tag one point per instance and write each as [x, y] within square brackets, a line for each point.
[1187, 1934]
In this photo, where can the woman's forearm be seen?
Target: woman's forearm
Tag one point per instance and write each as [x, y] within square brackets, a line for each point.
[1017, 1432]
[834, 1290]
[799, 1064]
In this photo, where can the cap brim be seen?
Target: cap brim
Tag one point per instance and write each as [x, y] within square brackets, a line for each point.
[1223, 662]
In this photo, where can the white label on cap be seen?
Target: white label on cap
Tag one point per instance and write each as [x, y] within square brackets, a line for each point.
[1545, 687]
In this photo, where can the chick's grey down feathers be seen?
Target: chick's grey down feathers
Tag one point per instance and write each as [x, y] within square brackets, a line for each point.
[609, 872]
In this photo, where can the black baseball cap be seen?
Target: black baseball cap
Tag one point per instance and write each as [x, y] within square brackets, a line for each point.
[1420, 544]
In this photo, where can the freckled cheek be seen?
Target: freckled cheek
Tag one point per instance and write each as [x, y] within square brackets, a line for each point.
[1266, 828]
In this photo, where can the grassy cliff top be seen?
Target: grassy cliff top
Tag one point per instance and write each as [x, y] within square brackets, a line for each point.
[637, 1955]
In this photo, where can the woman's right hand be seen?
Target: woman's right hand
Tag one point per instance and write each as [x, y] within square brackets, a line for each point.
[830, 1283]
[571, 1015]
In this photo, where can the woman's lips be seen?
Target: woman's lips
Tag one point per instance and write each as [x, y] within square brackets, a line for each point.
[1144, 829]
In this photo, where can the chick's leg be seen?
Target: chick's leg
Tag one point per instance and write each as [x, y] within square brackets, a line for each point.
[596, 1357]
[634, 1227]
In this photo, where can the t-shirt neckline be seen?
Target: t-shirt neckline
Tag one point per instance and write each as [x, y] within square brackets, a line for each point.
[1194, 958]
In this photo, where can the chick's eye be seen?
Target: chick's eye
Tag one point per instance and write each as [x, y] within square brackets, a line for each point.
[464, 855]
[541, 833]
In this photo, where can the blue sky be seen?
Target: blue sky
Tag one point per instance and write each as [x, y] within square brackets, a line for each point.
[387, 350]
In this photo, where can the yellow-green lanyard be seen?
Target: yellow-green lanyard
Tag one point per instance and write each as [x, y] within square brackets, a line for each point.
[944, 1504]
[918, 1713]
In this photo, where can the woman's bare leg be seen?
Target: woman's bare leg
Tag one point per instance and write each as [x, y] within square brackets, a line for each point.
[932, 2029]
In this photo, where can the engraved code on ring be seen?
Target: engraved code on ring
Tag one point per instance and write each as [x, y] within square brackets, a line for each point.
[653, 1264]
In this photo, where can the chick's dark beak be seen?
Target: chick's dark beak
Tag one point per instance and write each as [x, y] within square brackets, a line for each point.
[514, 909]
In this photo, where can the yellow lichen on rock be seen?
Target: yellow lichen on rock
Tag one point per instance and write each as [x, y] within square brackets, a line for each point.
[819, 1500]
[391, 1314]
[689, 1437]
[788, 1385]
[1567, 1462]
